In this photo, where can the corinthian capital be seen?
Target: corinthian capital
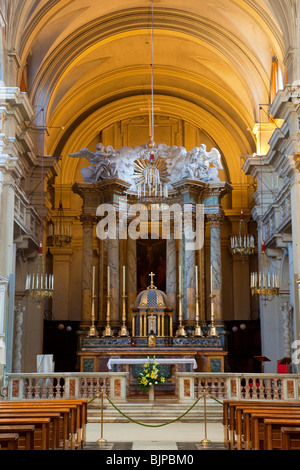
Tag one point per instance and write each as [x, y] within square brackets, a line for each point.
[215, 219]
[88, 220]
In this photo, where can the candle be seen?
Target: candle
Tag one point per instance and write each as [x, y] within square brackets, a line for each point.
[211, 279]
[179, 279]
[93, 292]
[124, 280]
[196, 279]
[108, 281]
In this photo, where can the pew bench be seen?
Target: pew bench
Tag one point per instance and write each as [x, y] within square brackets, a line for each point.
[232, 418]
[272, 431]
[25, 431]
[288, 434]
[42, 429]
[249, 427]
[78, 416]
[9, 441]
[53, 416]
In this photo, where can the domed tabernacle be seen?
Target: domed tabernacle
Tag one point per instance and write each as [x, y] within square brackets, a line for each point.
[152, 298]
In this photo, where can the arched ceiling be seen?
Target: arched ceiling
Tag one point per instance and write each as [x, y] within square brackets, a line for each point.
[88, 64]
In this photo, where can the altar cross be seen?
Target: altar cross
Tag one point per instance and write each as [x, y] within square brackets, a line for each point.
[152, 285]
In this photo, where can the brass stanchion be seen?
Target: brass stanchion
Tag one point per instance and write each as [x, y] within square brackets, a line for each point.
[205, 442]
[101, 440]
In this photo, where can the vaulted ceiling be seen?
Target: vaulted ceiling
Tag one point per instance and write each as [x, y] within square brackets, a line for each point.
[87, 63]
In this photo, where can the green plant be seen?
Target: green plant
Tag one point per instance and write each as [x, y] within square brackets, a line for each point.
[150, 376]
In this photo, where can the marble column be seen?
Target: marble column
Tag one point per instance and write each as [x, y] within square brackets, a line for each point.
[17, 352]
[286, 310]
[131, 275]
[113, 251]
[216, 262]
[189, 283]
[171, 284]
[87, 266]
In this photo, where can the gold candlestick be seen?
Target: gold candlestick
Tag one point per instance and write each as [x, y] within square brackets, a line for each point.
[93, 330]
[124, 331]
[198, 330]
[212, 329]
[108, 330]
[180, 331]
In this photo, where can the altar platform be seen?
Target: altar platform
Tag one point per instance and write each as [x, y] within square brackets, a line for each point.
[171, 360]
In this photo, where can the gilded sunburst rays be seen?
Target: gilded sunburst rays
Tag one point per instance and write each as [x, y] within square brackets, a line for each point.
[151, 177]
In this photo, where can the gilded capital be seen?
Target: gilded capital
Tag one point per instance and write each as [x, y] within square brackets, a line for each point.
[215, 219]
[88, 220]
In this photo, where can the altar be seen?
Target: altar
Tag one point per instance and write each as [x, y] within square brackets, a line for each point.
[154, 292]
[150, 360]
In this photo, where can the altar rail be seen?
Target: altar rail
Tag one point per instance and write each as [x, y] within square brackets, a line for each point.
[189, 386]
[277, 387]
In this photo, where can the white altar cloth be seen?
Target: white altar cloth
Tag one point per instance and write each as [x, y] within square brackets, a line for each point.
[113, 361]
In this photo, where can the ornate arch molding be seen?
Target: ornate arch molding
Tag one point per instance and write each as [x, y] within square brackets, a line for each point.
[213, 98]
[286, 14]
[123, 22]
[107, 115]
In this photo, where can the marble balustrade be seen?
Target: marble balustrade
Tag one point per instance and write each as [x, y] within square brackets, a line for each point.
[189, 386]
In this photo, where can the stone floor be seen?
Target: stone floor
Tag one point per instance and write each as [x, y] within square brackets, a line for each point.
[175, 436]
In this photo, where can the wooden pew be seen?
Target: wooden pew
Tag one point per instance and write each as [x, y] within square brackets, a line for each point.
[229, 419]
[25, 431]
[78, 416]
[287, 435]
[42, 429]
[65, 427]
[9, 441]
[272, 431]
[249, 424]
[53, 416]
[233, 418]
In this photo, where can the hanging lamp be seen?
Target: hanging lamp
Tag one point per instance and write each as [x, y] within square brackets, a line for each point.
[40, 285]
[150, 174]
[265, 282]
[59, 230]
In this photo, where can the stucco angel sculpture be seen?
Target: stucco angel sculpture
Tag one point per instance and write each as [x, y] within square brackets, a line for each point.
[101, 167]
[198, 162]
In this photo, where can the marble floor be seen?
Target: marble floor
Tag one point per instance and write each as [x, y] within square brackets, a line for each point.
[175, 436]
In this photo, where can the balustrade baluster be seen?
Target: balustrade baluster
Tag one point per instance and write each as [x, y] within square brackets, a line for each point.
[50, 393]
[268, 389]
[43, 388]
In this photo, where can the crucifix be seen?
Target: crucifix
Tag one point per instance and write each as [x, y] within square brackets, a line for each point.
[152, 285]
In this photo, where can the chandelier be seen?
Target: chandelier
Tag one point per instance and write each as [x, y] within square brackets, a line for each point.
[151, 177]
[59, 232]
[264, 283]
[242, 243]
[150, 174]
[39, 284]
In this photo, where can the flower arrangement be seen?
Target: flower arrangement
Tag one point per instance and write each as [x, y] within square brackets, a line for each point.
[150, 376]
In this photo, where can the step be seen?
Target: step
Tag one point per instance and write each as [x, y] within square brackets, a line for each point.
[155, 412]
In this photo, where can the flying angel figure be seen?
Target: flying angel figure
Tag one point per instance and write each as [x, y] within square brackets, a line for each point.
[101, 167]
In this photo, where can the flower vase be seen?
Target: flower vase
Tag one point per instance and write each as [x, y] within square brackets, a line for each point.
[151, 393]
